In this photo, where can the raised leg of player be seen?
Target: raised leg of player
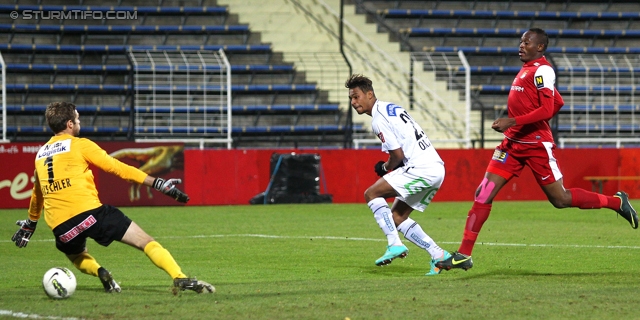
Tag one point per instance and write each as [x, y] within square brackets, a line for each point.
[384, 218]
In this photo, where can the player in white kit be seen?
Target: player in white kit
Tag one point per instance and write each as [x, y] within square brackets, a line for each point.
[419, 173]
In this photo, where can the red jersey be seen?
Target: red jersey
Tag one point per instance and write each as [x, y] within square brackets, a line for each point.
[533, 100]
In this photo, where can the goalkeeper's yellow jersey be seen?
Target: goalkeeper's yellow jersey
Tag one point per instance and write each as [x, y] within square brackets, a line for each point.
[64, 183]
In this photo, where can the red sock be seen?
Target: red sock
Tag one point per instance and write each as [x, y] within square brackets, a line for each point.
[477, 216]
[584, 199]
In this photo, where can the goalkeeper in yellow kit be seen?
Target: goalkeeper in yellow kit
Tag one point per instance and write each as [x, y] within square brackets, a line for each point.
[64, 186]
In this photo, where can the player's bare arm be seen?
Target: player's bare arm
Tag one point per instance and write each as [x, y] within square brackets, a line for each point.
[395, 159]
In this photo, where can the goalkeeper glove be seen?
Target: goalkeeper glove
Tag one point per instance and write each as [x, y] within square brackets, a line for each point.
[168, 187]
[22, 236]
[380, 169]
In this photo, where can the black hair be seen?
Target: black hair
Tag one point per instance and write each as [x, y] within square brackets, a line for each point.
[543, 38]
[359, 81]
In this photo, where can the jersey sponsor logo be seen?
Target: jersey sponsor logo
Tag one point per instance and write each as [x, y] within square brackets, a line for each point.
[49, 150]
[391, 109]
[517, 88]
[75, 231]
[539, 82]
[381, 137]
[500, 156]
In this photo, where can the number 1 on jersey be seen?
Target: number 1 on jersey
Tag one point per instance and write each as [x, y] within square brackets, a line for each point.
[49, 163]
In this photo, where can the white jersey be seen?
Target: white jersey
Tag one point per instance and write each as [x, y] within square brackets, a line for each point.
[396, 129]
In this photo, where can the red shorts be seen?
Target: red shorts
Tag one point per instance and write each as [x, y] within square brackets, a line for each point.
[510, 158]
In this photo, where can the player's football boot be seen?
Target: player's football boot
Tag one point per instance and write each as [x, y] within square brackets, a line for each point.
[106, 278]
[392, 253]
[435, 270]
[456, 260]
[626, 210]
[193, 284]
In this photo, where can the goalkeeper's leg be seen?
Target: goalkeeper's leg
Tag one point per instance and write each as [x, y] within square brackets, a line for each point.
[88, 265]
[163, 259]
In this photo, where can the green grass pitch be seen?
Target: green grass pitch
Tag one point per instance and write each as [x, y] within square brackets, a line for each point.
[316, 261]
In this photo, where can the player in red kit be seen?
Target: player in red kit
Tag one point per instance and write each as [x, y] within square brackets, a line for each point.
[533, 100]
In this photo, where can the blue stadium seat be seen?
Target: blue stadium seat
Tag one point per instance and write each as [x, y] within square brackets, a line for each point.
[122, 29]
[506, 14]
[68, 88]
[83, 68]
[118, 89]
[193, 130]
[420, 32]
[82, 109]
[514, 50]
[149, 10]
[563, 89]
[247, 109]
[118, 49]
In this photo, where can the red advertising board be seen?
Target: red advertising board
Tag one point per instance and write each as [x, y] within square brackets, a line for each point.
[16, 176]
[157, 159]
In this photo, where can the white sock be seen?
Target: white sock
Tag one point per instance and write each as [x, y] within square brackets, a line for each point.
[384, 218]
[414, 233]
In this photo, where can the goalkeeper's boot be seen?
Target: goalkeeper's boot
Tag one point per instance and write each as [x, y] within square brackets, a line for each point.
[106, 278]
[193, 284]
[456, 260]
[392, 253]
[626, 210]
[435, 270]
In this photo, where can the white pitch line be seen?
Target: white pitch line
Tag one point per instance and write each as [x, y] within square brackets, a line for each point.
[22, 315]
[382, 240]
[204, 236]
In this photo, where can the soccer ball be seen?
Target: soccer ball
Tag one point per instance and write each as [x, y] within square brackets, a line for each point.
[59, 283]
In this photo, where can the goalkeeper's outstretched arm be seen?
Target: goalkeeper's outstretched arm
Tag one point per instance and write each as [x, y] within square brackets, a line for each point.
[167, 187]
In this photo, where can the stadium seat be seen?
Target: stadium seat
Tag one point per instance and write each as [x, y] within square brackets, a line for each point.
[121, 29]
[147, 10]
[105, 49]
[506, 14]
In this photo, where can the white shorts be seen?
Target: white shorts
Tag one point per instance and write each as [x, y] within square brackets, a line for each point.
[416, 186]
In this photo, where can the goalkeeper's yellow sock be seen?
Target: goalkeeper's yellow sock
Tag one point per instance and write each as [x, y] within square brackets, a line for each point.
[163, 259]
[87, 264]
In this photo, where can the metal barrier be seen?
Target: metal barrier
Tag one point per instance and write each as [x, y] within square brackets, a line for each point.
[182, 95]
[601, 102]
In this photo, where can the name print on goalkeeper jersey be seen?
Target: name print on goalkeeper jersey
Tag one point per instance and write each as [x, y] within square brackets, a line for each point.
[47, 152]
